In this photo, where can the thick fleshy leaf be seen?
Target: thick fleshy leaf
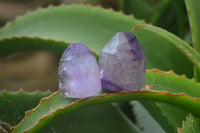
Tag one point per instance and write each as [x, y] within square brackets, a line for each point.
[22, 44]
[160, 16]
[97, 119]
[93, 26]
[170, 82]
[106, 23]
[145, 120]
[77, 24]
[11, 107]
[155, 33]
[191, 125]
[140, 8]
[193, 14]
[175, 115]
[14, 104]
[156, 113]
[167, 14]
[182, 21]
[56, 105]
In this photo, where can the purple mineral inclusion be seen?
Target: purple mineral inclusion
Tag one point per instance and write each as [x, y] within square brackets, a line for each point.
[122, 63]
[78, 72]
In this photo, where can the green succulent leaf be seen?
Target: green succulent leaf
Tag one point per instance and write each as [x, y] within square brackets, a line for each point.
[80, 24]
[174, 115]
[146, 121]
[14, 104]
[157, 80]
[191, 125]
[169, 117]
[172, 83]
[140, 8]
[167, 14]
[97, 119]
[159, 10]
[56, 105]
[185, 48]
[93, 26]
[22, 44]
[11, 107]
[193, 14]
[179, 7]
[156, 113]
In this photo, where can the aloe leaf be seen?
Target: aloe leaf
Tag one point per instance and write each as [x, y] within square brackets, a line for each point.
[174, 115]
[56, 105]
[145, 120]
[159, 10]
[11, 107]
[179, 7]
[169, 117]
[156, 113]
[155, 32]
[14, 104]
[140, 8]
[191, 125]
[22, 44]
[169, 81]
[193, 14]
[96, 119]
[93, 26]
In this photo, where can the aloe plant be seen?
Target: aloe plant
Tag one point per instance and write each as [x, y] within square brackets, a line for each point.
[170, 102]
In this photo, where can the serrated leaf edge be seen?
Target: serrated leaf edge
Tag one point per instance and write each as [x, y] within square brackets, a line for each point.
[49, 39]
[181, 48]
[163, 93]
[65, 5]
[21, 90]
[172, 73]
[163, 114]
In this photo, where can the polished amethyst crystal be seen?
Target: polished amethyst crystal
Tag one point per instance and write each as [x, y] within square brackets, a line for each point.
[78, 72]
[122, 63]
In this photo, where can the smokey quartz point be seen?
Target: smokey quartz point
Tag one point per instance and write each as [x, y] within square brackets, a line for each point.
[122, 63]
[78, 72]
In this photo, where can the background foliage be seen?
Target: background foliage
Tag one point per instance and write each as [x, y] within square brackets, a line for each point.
[169, 102]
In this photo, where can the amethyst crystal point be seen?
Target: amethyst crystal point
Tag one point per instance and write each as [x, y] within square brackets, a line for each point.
[78, 72]
[122, 63]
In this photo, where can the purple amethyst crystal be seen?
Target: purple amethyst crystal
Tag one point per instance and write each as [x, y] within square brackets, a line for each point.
[78, 72]
[122, 63]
